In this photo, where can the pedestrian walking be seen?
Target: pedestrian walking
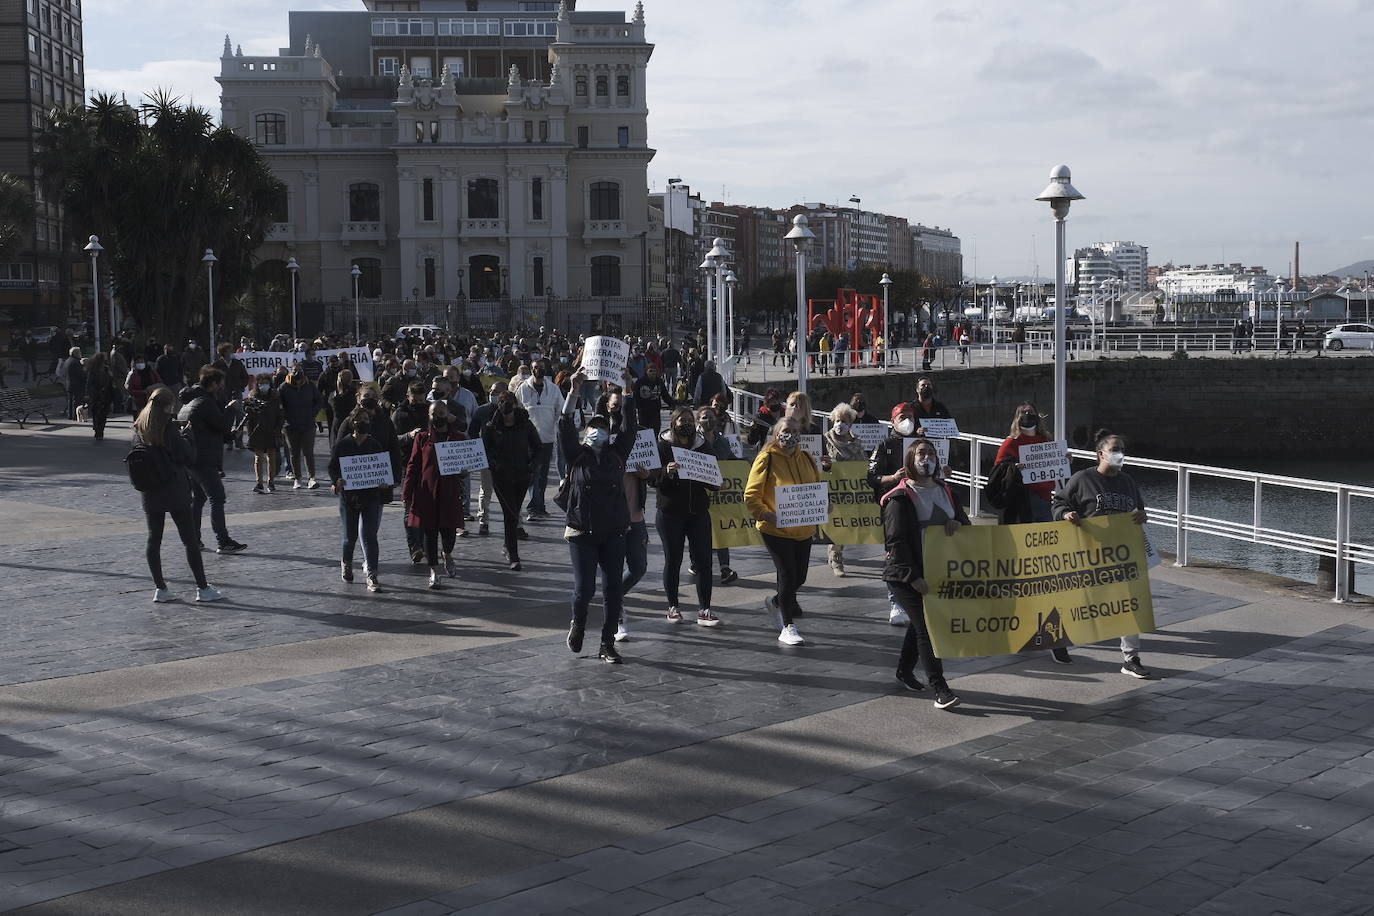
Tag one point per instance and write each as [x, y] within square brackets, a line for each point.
[262, 419]
[513, 451]
[300, 404]
[208, 417]
[842, 445]
[99, 392]
[168, 451]
[71, 373]
[360, 510]
[683, 516]
[434, 500]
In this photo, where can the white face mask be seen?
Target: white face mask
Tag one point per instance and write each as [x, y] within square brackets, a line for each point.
[597, 437]
[926, 466]
[842, 429]
[905, 426]
[264, 388]
[1116, 458]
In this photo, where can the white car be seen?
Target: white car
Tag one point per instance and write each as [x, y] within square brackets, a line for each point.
[1359, 336]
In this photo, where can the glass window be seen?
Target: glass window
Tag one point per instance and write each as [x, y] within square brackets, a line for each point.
[370, 282]
[364, 202]
[270, 129]
[622, 86]
[538, 276]
[484, 198]
[582, 137]
[523, 28]
[456, 66]
[427, 199]
[280, 207]
[622, 136]
[430, 277]
[543, 131]
[469, 26]
[484, 276]
[420, 67]
[388, 66]
[601, 86]
[605, 275]
[605, 200]
[581, 89]
[537, 200]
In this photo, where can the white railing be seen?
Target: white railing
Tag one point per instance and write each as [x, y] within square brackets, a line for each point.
[1338, 545]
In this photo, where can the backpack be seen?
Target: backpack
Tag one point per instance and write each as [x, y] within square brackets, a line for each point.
[149, 468]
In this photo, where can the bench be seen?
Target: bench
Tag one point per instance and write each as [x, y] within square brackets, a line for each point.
[16, 405]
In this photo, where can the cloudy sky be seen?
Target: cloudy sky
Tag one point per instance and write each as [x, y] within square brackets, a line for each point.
[1205, 129]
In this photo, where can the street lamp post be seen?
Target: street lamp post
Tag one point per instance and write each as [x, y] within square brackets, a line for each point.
[1346, 290]
[1278, 317]
[992, 317]
[94, 248]
[292, 266]
[800, 236]
[719, 256]
[886, 283]
[357, 320]
[209, 262]
[1059, 193]
[708, 275]
[730, 281]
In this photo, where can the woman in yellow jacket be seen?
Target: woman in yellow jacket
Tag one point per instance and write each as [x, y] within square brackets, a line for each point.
[783, 462]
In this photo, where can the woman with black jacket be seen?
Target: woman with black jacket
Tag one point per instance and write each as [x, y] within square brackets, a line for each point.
[341, 404]
[360, 510]
[598, 516]
[171, 447]
[513, 447]
[918, 501]
[684, 515]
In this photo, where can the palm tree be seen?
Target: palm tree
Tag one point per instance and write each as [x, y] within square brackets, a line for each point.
[16, 213]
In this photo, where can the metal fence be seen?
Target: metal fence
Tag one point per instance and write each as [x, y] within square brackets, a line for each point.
[376, 317]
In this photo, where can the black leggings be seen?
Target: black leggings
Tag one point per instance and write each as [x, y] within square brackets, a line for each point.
[695, 532]
[790, 559]
[432, 535]
[917, 645]
[185, 520]
[511, 495]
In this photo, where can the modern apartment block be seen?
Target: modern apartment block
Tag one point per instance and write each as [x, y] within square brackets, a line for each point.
[41, 66]
[937, 253]
[455, 150]
[1133, 259]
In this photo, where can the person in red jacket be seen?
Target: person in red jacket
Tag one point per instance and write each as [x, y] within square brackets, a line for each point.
[434, 501]
[1026, 429]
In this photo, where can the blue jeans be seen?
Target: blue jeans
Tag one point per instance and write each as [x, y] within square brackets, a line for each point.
[636, 556]
[540, 482]
[693, 531]
[590, 552]
[365, 520]
[205, 484]
[1039, 507]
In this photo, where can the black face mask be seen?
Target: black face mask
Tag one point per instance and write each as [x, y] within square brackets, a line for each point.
[361, 429]
[684, 431]
[926, 394]
[439, 422]
[507, 408]
[1030, 421]
[860, 407]
[368, 404]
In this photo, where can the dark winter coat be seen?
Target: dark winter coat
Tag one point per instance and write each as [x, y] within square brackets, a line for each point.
[209, 425]
[432, 500]
[905, 562]
[677, 497]
[596, 491]
[511, 450]
[179, 447]
[262, 418]
[300, 405]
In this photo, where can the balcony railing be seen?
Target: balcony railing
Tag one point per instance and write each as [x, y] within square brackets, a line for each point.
[281, 232]
[482, 228]
[603, 229]
[363, 231]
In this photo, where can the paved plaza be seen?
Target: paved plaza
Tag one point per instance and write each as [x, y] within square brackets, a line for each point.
[304, 747]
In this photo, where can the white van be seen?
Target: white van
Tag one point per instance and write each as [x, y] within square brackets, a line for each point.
[422, 331]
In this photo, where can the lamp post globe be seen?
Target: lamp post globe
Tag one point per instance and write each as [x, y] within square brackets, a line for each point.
[1059, 193]
[93, 248]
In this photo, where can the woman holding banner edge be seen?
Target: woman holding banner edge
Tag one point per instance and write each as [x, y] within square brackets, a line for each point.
[360, 511]
[918, 501]
[434, 501]
[783, 462]
[684, 516]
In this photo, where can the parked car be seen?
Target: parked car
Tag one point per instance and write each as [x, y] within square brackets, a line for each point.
[1359, 336]
[42, 335]
[422, 331]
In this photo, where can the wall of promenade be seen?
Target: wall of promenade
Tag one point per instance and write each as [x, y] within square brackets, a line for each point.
[1196, 409]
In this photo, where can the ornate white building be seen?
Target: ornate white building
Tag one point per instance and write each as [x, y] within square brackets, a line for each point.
[519, 169]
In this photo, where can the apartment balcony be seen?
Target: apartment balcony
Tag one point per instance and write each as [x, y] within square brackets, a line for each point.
[363, 231]
[482, 228]
[281, 232]
[604, 229]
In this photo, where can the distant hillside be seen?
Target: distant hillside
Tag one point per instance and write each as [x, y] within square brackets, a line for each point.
[1353, 270]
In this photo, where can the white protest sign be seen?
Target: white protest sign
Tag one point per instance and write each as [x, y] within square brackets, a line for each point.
[604, 359]
[644, 456]
[260, 361]
[803, 504]
[363, 472]
[1152, 557]
[360, 357]
[870, 434]
[941, 449]
[940, 427]
[1045, 462]
[461, 457]
[697, 466]
[736, 444]
[813, 446]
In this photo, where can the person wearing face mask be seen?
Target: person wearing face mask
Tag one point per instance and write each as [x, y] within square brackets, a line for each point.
[434, 501]
[925, 406]
[1106, 489]
[479, 420]
[650, 394]
[597, 518]
[262, 419]
[382, 429]
[513, 446]
[884, 473]
[360, 511]
[768, 416]
[859, 401]
[917, 502]
[708, 384]
[709, 426]
[300, 403]
[342, 402]
[1034, 504]
[544, 403]
[636, 496]
[842, 445]
[395, 385]
[684, 516]
[782, 462]
[208, 417]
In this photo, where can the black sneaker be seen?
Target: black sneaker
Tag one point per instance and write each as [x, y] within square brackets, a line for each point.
[944, 697]
[483, 529]
[575, 637]
[908, 680]
[231, 546]
[608, 654]
[727, 575]
[521, 534]
[1133, 667]
[1061, 656]
[417, 556]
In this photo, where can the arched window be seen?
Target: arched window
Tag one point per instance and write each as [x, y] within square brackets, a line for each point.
[484, 198]
[270, 129]
[605, 275]
[605, 200]
[581, 87]
[602, 86]
[364, 202]
[484, 276]
[622, 86]
[370, 281]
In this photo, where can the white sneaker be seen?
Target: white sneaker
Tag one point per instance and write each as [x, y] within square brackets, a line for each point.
[707, 619]
[296, 484]
[163, 595]
[209, 593]
[622, 632]
[789, 636]
[314, 484]
[770, 604]
[897, 617]
[674, 615]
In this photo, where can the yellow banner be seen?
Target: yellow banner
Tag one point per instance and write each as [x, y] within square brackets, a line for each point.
[731, 524]
[854, 516]
[1004, 589]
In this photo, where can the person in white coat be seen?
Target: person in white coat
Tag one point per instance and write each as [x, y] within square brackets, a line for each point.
[542, 400]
